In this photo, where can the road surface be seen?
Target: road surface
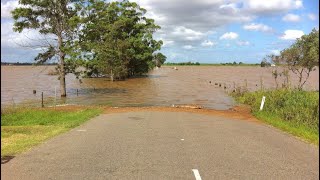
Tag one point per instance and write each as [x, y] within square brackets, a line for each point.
[167, 145]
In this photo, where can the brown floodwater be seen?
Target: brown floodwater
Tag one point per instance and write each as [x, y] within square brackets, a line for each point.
[162, 87]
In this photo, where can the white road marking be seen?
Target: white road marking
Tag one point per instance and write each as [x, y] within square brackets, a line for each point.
[81, 130]
[196, 174]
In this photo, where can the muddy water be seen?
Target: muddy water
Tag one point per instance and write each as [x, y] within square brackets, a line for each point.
[162, 87]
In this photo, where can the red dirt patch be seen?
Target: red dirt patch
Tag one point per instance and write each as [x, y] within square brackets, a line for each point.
[237, 112]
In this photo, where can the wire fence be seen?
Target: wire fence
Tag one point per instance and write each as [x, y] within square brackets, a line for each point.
[46, 98]
[84, 96]
[51, 98]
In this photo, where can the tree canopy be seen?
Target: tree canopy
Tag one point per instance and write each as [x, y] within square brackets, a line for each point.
[112, 39]
[301, 57]
[55, 18]
[119, 39]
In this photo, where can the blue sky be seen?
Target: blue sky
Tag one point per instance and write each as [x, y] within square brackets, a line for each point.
[207, 31]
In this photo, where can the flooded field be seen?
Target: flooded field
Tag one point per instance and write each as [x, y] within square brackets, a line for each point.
[162, 87]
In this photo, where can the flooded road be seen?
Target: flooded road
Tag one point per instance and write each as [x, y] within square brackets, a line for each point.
[162, 87]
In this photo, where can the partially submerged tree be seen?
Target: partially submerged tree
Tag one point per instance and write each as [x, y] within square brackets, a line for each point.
[120, 39]
[302, 57]
[265, 62]
[57, 18]
[159, 59]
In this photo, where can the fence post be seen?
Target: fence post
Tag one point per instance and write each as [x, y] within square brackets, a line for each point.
[246, 83]
[261, 83]
[55, 96]
[42, 99]
[13, 104]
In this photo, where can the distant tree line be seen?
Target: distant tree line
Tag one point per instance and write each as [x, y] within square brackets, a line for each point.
[189, 63]
[232, 64]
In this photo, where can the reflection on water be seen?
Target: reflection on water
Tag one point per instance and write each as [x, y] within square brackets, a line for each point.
[162, 87]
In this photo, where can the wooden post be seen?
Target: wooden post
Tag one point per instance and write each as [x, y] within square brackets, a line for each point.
[55, 96]
[261, 83]
[42, 99]
[246, 83]
[13, 104]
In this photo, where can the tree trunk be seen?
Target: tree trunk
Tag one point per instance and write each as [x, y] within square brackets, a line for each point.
[63, 90]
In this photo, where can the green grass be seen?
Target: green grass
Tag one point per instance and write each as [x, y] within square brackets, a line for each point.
[296, 112]
[21, 129]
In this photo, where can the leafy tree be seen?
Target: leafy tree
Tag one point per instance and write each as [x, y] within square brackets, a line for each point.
[302, 57]
[159, 59]
[56, 18]
[119, 37]
[265, 63]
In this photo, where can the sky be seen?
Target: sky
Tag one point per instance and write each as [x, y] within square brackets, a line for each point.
[205, 31]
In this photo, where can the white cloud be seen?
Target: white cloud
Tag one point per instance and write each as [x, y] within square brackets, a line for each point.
[187, 34]
[30, 38]
[312, 16]
[291, 18]
[188, 47]
[272, 6]
[195, 21]
[208, 43]
[275, 52]
[229, 35]
[257, 27]
[229, 8]
[7, 7]
[292, 34]
[243, 43]
[167, 43]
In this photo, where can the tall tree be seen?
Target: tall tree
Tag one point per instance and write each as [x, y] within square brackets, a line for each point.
[302, 57]
[57, 18]
[120, 38]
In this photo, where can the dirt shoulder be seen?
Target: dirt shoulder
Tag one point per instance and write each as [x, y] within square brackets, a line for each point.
[241, 112]
[236, 113]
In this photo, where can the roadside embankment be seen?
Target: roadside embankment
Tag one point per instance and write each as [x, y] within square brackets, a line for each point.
[293, 111]
[23, 128]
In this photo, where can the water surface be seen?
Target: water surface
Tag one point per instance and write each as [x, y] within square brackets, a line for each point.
[162, 87]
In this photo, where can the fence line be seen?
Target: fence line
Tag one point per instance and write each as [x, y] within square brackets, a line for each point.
[47, 97]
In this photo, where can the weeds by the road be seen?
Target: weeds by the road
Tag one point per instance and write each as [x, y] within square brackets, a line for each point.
[293, 111]
[21, 129]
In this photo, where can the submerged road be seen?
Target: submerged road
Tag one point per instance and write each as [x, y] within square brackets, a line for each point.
[167, 145]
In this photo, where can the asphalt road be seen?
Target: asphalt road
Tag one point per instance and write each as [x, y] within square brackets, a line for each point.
[167, 145]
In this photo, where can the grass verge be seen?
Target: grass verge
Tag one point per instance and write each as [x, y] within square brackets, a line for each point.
[22, 128]
[295, 112]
